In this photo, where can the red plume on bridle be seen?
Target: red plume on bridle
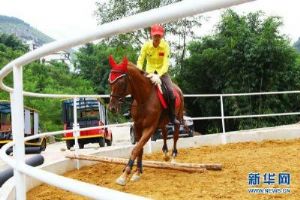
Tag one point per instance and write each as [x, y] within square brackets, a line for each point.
[117, 70]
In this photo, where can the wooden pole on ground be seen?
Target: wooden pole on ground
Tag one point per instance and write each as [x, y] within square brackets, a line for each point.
[187, 167]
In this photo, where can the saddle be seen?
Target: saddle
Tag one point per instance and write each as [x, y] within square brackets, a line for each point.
[164, 97]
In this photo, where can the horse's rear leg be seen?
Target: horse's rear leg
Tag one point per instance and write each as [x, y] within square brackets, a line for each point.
[175, 138]
[165, 146]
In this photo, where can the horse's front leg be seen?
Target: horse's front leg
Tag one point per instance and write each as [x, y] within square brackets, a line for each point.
[139, 170]
[135, 152]
[175, 138]
[139, 167]
[165, 146]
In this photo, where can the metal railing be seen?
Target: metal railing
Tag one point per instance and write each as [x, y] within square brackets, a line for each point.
[223, 116]
[160, 15]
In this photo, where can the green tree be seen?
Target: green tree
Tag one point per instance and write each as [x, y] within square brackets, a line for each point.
[246, 54]
[92, 63]
[13, 42]
[178, 32]
[10, 48]
[54, 77]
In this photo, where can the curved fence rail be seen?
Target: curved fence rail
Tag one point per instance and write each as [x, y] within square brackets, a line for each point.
[160, 15]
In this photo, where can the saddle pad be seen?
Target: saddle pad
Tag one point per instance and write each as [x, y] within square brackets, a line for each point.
[164, 102]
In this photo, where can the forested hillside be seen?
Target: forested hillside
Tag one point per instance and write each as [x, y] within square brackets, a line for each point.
[12, 25]
[43, 78]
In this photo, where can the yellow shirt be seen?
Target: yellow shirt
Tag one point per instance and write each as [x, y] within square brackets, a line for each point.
[157, 58]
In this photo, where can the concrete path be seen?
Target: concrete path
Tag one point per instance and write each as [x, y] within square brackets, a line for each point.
[57, 151]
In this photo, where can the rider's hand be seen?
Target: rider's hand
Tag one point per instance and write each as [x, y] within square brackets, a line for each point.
[155, 79]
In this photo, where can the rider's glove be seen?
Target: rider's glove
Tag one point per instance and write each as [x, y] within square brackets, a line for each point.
[154, 79]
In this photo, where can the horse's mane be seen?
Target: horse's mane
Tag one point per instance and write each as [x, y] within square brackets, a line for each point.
[134, 67]
[140, 77]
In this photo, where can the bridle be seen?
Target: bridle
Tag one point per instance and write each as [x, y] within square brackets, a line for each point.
[120, 97]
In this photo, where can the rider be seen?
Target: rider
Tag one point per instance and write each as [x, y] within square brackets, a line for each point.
[157, 52]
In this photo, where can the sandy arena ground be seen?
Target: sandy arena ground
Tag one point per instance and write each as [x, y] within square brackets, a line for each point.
[231, 183]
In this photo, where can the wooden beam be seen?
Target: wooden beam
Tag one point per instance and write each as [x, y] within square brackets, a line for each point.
[187, 167]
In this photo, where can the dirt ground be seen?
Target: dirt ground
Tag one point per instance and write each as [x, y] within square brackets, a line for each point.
[231, 183]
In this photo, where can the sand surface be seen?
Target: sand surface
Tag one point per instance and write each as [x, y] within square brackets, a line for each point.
[238, 161]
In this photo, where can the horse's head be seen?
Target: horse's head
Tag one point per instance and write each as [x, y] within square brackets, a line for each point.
[118, 80]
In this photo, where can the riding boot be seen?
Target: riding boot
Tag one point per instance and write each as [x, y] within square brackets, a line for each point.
[172, 115]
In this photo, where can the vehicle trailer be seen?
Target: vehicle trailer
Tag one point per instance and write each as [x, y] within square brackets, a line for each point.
[90, 113]
[31, 126]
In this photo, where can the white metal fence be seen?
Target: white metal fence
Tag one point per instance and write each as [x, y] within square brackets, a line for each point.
[223, 116]
[161, 15]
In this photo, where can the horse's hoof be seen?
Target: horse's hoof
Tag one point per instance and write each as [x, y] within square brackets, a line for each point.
[166, 157]
[135, 177]
[121, 181]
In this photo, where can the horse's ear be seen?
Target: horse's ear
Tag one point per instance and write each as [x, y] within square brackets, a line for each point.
[112, 62]
[125, 62]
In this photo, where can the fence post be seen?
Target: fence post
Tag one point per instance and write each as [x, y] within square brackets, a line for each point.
[76, 131]
[17, 117]
[150, 145]
[223, 121]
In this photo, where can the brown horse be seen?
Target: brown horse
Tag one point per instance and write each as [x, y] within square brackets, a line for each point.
[147, 112]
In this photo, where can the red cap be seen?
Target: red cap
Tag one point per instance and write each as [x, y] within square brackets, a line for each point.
[157, 29]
